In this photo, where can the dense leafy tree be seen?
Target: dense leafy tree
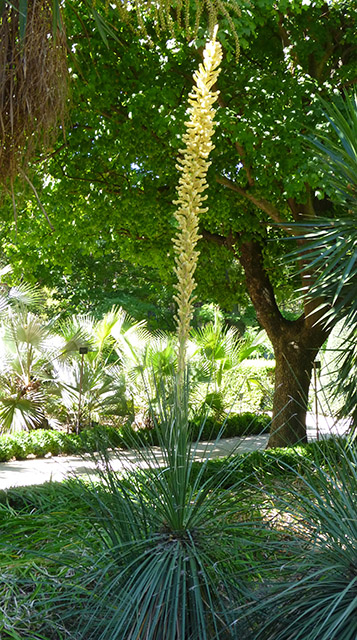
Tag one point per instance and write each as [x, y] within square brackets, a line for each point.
[110, 183]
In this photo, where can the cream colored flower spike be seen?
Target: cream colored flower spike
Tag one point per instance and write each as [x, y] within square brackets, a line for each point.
[193, 167]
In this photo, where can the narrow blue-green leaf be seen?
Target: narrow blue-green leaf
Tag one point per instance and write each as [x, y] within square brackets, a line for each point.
[56, 18]
[100, 26]
[345, 274]
[22, 18]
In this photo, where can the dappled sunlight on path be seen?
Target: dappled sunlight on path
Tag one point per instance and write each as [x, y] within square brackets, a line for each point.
[31, 472]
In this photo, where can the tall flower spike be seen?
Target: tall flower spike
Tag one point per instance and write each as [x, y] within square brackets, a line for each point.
[193, 167]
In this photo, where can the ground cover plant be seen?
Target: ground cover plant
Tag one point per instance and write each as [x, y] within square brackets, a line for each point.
[60, 545]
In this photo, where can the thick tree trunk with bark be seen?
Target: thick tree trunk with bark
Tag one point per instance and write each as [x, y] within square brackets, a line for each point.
[295, 350]
[295, 344]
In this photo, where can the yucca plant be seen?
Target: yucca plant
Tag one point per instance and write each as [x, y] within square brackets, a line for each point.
[313, 590]
[176, 553]
[330, 245]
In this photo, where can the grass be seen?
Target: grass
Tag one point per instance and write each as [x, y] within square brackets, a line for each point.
[52, 552]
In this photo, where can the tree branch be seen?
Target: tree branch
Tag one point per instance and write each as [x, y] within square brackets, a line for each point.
[259, 202]
[261, 290]
[37, 198]
[228, 242]
[259, 286]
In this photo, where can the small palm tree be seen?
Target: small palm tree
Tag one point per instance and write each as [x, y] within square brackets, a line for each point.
[24, 352]
[216, 352]
[89, 385]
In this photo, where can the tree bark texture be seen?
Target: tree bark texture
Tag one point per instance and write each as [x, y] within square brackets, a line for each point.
[296, 344]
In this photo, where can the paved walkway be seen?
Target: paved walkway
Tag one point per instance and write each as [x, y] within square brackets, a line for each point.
[31, 472]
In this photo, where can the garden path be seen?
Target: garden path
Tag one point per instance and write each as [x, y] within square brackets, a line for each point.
[32, 472]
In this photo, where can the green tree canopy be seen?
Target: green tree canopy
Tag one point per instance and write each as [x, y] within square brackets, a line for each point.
[108, 185]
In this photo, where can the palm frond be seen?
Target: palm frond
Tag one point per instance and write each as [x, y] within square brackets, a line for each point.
[19, 413]
[328, 247]
[25, 294]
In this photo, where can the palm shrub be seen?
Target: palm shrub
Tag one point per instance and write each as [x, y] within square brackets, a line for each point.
[224, 376]
[86, 389]
[314, 594]
[87, 392]
[42, 377]
[216, 353]
[145, 356]
[25, 353]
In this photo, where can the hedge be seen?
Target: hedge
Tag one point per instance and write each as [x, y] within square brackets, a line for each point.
[41, 442]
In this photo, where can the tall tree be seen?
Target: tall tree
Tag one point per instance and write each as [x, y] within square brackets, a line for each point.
[110, 184]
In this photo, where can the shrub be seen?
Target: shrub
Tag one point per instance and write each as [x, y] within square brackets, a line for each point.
[312, 593]
[252, 386]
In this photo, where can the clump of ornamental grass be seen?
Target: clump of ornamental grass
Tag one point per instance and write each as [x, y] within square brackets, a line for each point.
[312, 593]
[33, 82]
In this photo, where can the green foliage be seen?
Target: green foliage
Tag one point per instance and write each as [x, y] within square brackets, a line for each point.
[84, 539]
[235, 425]
[41, 442]
[43, 377]
[277, 464]
[45, 381]
[252, 387]
[330, 246]
[121, 148]
[314, 595]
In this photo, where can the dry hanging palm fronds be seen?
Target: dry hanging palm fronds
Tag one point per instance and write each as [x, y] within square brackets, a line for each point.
[33, 82]
[169, 15]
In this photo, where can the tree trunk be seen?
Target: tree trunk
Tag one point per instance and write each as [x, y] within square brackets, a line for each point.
[296, 344]
[295, 351]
